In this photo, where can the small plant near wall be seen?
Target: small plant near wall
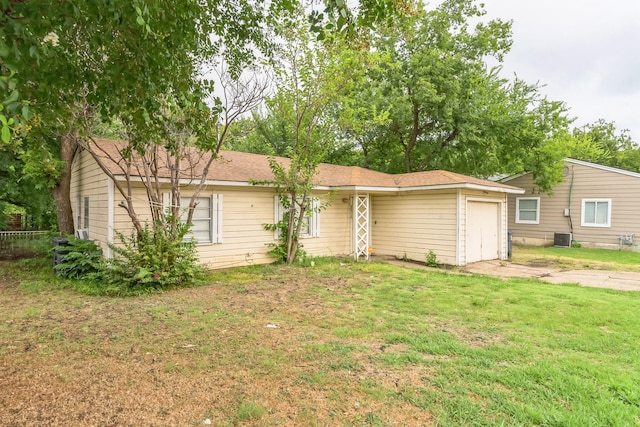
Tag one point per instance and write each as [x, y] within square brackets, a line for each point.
[82, 259]
[431, 259]
[575, 244]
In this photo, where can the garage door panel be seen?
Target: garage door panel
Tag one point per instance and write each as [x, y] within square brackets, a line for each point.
[482, 237]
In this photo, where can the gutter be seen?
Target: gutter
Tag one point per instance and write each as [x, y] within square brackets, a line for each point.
[365, 188]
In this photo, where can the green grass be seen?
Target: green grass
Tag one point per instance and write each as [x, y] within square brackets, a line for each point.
[529, 354]
[578, 258]
[373, 343]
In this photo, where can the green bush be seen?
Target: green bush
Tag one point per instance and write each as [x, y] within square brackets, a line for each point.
[156, 259]
[279, 249]
[82, 260]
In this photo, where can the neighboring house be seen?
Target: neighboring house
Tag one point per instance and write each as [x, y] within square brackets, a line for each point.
[594, 205]
[462, 219]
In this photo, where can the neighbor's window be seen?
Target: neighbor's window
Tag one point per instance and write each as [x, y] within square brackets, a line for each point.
[596, 213]
[528, 210]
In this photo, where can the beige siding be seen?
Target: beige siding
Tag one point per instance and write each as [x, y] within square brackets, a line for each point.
[245, 210]
[588, 183]
[87, 180]
[411, 224]
[335, 228]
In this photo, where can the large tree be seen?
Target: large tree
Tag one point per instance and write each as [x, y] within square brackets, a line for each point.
[64, 62]
[310, 77]
[116, 57]
[446, 109]
[612, 147]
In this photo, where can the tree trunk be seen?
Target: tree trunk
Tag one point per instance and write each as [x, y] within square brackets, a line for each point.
[62, 190]
[407, 160]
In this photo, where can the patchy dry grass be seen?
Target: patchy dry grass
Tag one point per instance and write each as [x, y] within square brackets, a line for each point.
[577, 258]
[353, 345]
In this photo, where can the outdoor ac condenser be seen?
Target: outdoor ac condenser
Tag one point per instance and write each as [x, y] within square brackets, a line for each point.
[562, 240]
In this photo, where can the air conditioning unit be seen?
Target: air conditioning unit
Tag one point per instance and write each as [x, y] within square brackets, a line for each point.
[562, 240]
[82, 234]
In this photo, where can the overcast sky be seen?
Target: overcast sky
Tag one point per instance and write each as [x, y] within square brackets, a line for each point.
[586, 52]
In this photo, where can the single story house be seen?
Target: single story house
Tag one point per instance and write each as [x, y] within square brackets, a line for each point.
[461, 218]
[594, 205]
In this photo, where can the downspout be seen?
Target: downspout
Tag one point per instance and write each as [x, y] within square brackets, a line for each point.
[569, 207]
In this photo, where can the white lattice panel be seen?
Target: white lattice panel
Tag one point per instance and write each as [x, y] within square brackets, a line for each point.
[361, 226]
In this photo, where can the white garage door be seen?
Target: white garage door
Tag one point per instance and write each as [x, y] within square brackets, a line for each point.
[483, 240]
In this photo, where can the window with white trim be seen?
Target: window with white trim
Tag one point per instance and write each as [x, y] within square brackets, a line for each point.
[596, 213]
[528, 210]
[206, 220]
[311, 221]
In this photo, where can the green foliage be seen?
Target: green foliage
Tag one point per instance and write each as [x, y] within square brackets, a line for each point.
[155, 259]
[82, 259]
[308, 89]
[279, 249]
[24, 193]
[600, 142]
[431, 259]
[575, 244]
[439, 106]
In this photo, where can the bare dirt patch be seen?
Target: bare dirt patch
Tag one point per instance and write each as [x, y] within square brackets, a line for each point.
[254, 352]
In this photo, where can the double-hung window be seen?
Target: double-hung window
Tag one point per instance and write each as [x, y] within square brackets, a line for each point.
[310, 222]
[82, 217]
[78, 212]
[528, 210]
[86, 212]
[596, 213]
[206, 219]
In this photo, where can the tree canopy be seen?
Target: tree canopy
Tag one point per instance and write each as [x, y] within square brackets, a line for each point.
[424, 98]
[114, 58]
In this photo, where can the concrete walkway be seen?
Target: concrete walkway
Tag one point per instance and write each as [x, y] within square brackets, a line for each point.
[623, 281]
[618, 280]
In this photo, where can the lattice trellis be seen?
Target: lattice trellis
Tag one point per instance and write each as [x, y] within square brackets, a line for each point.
[361, 226]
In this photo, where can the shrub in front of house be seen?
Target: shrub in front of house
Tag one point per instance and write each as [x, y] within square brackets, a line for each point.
[82, 259]
[155, 259]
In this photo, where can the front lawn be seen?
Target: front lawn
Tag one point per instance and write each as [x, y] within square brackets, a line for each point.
[340, 343]
[577, 258]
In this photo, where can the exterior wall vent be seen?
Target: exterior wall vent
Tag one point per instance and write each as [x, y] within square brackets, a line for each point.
[562, 240]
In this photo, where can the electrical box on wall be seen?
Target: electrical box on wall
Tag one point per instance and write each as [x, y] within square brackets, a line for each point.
[567, 212]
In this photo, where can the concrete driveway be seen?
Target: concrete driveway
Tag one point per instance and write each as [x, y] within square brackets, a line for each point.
[622, 281]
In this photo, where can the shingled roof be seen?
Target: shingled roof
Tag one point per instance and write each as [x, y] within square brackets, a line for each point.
[237, 167]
